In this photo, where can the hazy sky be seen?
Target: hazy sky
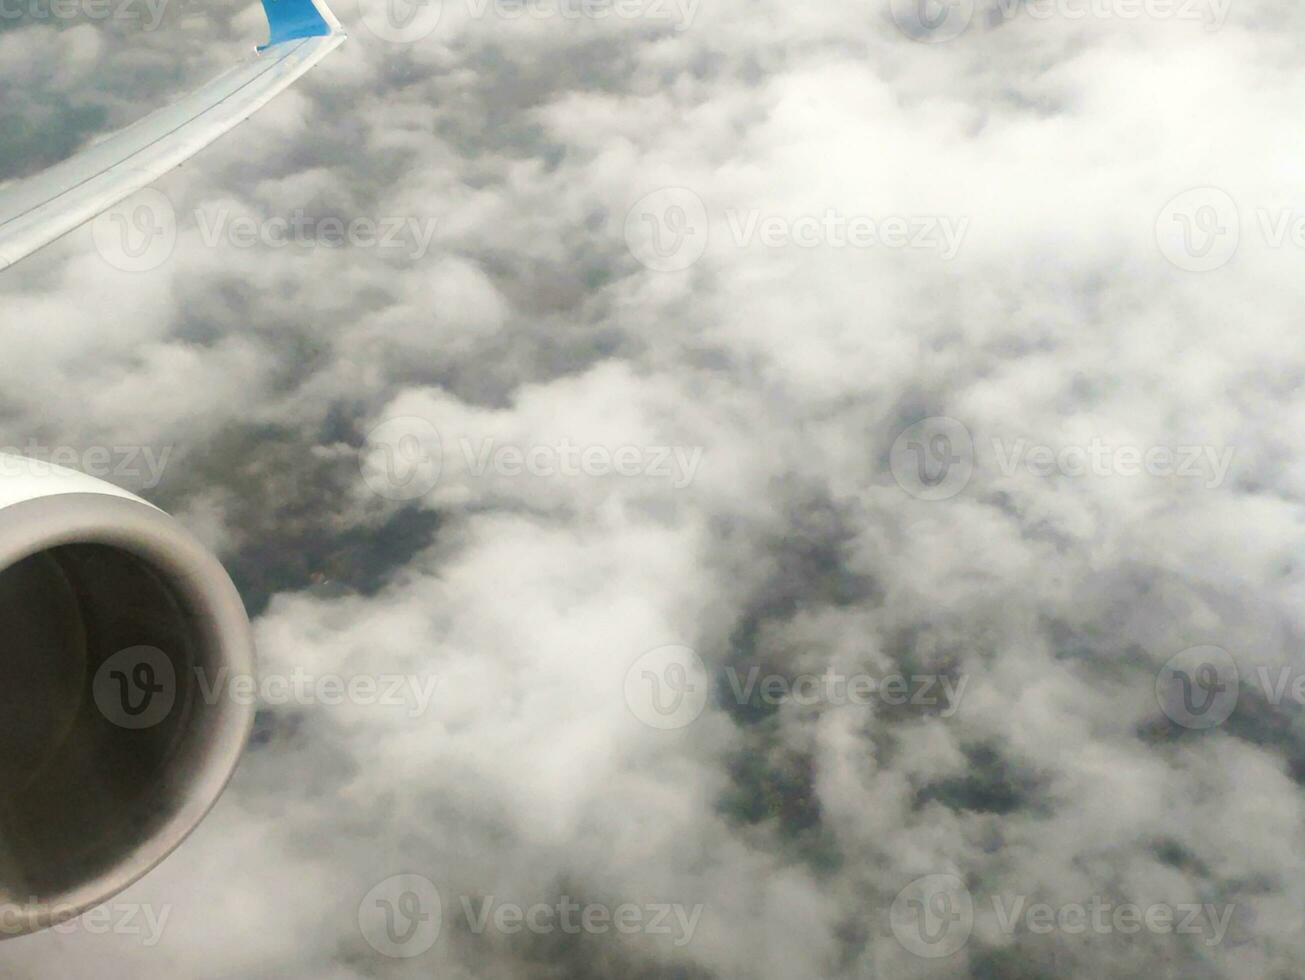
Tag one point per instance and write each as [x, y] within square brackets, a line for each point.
[825, 479]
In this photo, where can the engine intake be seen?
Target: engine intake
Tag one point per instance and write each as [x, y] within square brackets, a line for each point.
[122, 634]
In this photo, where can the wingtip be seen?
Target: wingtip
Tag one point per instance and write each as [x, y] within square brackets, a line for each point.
[289, 20]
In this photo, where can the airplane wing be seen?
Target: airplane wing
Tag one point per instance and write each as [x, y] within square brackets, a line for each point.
[36, 211]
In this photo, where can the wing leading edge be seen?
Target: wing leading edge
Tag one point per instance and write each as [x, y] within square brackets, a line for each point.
[36, 211]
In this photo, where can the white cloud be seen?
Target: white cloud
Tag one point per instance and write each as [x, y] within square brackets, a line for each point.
[1057, 597]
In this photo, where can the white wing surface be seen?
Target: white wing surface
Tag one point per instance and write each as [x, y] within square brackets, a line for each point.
[36, 211]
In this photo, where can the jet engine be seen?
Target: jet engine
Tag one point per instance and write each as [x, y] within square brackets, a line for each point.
[122, 636]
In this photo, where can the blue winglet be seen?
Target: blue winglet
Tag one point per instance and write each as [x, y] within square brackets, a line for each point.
[290, 19]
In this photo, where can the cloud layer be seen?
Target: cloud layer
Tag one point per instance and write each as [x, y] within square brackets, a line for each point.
[767, 333]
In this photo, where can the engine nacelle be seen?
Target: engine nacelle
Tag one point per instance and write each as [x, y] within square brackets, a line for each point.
[122, 634]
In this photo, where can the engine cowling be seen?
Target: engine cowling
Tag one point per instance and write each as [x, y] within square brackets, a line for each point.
[123, 635]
